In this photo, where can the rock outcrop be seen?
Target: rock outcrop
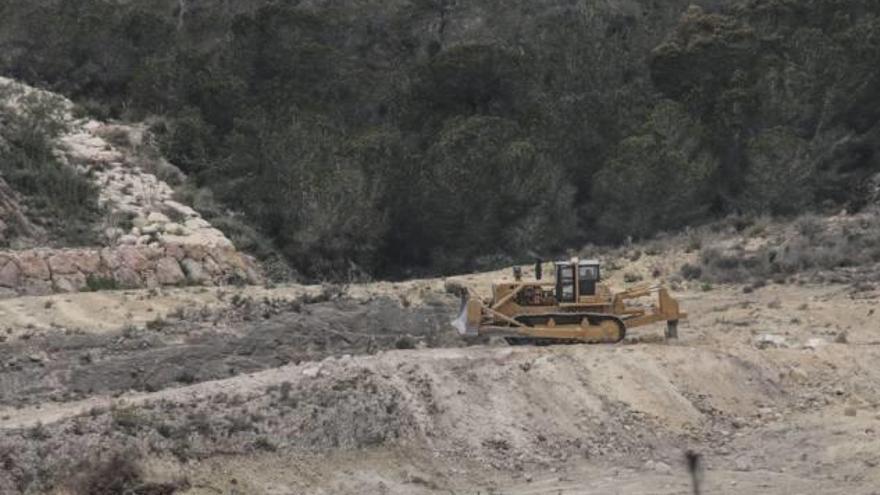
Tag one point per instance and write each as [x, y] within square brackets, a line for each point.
[47, 271]
[151, 239]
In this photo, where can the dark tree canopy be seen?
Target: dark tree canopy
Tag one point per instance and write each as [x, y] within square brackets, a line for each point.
[398, 137]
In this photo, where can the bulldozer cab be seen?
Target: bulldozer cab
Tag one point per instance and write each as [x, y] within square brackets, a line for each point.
[576, 278]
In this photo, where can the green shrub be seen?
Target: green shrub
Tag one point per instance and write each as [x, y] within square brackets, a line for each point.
[691, 272]
[62, 198]
[97, 283]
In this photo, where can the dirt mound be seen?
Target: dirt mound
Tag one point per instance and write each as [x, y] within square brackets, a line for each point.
[497, 409]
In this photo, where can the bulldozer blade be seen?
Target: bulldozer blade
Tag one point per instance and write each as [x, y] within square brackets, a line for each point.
[468, 321]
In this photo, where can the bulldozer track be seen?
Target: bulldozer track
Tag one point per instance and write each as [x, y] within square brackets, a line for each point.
[563, 319]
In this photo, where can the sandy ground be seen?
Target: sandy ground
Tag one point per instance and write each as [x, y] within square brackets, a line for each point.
[776, 389]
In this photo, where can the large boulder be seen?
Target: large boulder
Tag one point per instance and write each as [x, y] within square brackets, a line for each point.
[168, 272]
[75, 282]
[180, 209]
[195, 272]
[87, 261]
[175, 229]
[158, 218]
[34, 266]
[127, 240]
[62, 263]
[127, 278]
[133, 258]
[175, 251]
[10, 275]
[197, 224]
[36, 287]
[212, 267]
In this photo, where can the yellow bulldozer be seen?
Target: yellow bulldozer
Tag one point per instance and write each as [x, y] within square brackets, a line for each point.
[575, 308]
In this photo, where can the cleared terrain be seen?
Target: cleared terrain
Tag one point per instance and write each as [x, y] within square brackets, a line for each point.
[367, 390]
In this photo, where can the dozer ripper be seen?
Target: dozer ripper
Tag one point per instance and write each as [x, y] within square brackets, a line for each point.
[575, 309]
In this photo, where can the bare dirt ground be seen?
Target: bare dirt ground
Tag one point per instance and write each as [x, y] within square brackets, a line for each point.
[312, 390]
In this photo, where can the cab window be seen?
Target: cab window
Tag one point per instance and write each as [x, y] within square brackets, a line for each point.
[565, 284]
[588, 275]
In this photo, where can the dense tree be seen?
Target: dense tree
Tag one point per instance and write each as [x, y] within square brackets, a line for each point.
[788, 93]
[390, 137]
[657, 180]
[488, 189]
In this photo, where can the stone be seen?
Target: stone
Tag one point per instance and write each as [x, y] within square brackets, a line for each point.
[7, 293]
[36, 287]
[62, 264]
[742, 464]
[196, 251]
[227, 258]
[156, 217]
[195, 273]
[254, 277]
[151, 281]
[175, 229]
[127, 278]
[34, 266]
[168, 272]
[150, 229]
[144, 240]
[153, 252]
[110, 258]
[312, 371]
[132, 258]
[197, 224]
[127, 240]
[768, 341]
[175, 251]
[87, 261]
[139, 222]
[38, 357]
[815, 343]
[70, 283]
[662, 468]
[215, 238]
[10, 275]
[212, 267]
[798, 375]
[180, 209]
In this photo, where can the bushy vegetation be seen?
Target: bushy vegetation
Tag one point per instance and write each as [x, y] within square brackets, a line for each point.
[807, 248]
[399, 137]
[60, 198]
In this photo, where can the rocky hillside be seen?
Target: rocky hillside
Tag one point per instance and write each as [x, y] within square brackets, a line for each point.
[140, 236]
